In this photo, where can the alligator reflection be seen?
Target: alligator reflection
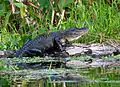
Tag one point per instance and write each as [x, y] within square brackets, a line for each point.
[89, 77]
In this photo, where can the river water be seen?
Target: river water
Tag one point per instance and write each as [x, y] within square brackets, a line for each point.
[10, 76]
[88, 77]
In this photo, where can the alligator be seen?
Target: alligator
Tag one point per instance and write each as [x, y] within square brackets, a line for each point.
[47, 43]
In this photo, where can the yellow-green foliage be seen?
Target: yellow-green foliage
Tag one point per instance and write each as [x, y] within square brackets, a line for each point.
[102, 18]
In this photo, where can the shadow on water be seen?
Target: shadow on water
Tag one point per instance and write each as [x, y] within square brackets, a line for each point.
[89, 77]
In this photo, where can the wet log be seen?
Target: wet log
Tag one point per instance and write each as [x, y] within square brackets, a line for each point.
[94, 50]
[51, 63]
[108, 62]
[7, 54]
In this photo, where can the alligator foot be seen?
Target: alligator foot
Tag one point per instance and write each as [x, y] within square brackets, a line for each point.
[62, 54]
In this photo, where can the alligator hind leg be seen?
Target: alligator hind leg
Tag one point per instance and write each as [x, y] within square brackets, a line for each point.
[35, 52]
[30, 53]
[22, 54]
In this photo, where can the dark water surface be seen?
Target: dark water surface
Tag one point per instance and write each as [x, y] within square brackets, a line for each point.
[89, 77]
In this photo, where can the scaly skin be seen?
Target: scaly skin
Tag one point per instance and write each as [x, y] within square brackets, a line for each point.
[49, 43]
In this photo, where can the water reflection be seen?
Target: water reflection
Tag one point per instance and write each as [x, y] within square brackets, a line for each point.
[89, 77]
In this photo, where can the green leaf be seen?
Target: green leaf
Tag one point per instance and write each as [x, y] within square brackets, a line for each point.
[64, 3]
[44, 3]
[19, 5]
[4, 5]
[1, 13]
[22, 12]
[22, 8]
[1, 1]
[1, 7]
[7, 19]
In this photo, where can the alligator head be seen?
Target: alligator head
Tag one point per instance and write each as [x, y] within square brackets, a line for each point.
[73, 34]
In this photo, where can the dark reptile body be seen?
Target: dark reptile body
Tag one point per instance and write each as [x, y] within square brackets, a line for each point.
[44, 43]
[37, 46]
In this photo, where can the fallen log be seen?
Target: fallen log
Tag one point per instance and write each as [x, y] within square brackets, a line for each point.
[94, 50]
[7, 54]
[72, 62]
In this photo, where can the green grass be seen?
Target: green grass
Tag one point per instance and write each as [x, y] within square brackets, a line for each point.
[102, 20]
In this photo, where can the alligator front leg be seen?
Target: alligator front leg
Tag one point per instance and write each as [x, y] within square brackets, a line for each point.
[67, 43]
[59, 44]
[61, 49]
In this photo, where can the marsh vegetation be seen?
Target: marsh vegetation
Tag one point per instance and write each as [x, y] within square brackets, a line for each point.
[25, 19]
